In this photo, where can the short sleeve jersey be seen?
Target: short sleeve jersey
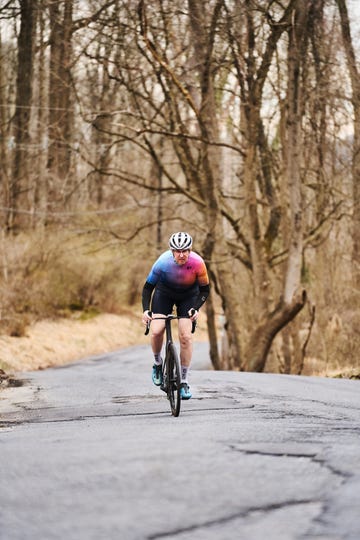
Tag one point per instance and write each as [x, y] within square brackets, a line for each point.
[178, 277]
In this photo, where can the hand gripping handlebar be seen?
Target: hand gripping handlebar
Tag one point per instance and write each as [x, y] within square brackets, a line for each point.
[170, 317]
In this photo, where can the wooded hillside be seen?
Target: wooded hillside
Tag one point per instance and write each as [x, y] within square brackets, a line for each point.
[236, 120]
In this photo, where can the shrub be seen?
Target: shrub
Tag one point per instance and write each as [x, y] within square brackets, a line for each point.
[47, 275]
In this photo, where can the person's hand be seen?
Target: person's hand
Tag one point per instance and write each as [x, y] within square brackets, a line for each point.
[193, 314]
[146, 318]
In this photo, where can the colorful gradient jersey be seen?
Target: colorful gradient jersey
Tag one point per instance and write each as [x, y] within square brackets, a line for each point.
[177, 277]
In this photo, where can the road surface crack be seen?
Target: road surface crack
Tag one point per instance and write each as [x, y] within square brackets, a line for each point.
[242, 514]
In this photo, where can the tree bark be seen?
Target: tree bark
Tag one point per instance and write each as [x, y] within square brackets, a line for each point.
[211, 158]
[297, 38]
[40, 194]
[265, 332]
[355, 85]
[20, 184]
[4, 160]
[60, 93]
[288, 307]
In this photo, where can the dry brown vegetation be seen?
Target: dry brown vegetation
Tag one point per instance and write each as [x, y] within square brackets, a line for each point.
[65, 296]
[47, 275]
[50, 343]
[240, 124]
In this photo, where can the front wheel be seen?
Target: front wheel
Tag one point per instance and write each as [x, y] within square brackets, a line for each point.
[174, 379]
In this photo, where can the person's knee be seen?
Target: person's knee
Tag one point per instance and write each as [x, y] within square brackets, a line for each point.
[157, 333]
[185, 339]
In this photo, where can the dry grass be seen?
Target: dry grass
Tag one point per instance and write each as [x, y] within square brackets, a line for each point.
[51, 343]
[52, 275]
[66, 295]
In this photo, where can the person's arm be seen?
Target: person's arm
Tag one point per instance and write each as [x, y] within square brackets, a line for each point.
[146, 295]
[146, 299]
[204, 291]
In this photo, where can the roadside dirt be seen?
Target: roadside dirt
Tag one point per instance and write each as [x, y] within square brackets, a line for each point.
[50, 343]
[53, 343]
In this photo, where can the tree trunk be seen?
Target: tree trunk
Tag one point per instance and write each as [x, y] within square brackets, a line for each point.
[265, 333]
[40, 196]
[211, 157]
[4, 168]
[289, 305]
[101, 142]
[212, 332]
[295, 57]
[60, 94]
[355, 85]
[231, 351]
[20, 184]
[256, 241]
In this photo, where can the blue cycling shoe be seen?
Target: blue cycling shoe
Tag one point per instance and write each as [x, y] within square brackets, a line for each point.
[185, 391]
[157, 376]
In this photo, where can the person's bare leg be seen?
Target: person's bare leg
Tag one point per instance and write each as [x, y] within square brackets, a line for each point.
[186, 346]
[157, 337]
[157, 334]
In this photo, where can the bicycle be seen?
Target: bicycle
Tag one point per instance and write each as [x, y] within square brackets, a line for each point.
[171, 369]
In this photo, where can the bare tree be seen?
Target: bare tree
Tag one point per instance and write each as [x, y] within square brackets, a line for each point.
[220, 117]
[39, 202]
[60, 92]
[4, 132]
[289, 304]
[19, 186]
[355, 84]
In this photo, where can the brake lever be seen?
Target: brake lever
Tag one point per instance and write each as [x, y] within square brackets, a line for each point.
[148, 324]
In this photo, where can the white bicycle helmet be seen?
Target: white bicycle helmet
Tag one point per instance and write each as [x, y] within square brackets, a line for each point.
[180, 240]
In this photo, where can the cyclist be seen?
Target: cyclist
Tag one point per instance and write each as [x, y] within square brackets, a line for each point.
[178, 278]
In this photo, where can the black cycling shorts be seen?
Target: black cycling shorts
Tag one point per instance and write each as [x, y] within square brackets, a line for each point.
[164, 302]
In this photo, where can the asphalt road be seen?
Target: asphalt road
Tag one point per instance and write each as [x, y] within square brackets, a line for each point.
[91, 452]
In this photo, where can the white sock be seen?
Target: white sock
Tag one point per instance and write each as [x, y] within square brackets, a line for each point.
[184, 372]
[158, 359]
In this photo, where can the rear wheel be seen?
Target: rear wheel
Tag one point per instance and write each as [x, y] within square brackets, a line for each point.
[174, 380]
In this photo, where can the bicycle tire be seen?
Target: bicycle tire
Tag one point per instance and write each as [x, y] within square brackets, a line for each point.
[173, 379]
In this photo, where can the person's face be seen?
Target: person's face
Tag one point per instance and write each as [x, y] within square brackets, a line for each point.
[181, 256]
